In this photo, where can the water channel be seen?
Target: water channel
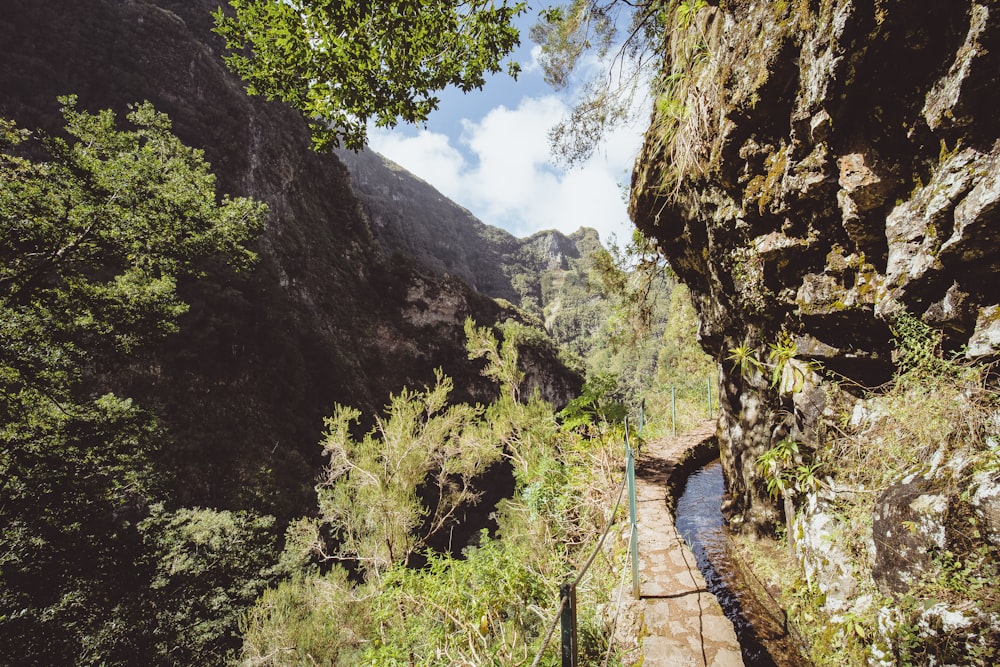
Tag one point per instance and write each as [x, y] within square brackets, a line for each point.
[699, 520]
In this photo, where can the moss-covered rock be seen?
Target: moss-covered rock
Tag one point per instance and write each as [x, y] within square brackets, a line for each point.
[837, 163]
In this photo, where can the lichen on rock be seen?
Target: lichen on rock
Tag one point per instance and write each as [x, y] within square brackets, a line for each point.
[838, 165]
[839, 171]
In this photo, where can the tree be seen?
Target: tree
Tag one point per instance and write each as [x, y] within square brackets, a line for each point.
[624, 35]
[635, 278]
[371, 496]
[95, 230]
[205, 567]
[345, 63]
[681, 360]
[489, 605]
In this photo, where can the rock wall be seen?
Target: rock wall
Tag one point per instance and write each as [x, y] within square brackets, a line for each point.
[813, 168]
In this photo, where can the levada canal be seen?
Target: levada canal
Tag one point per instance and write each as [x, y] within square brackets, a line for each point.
[765, 642]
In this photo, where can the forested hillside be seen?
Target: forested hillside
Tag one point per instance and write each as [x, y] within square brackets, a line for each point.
[144, 378]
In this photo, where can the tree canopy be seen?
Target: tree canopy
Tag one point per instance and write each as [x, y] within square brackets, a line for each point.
[345, 63]
[95, 230]
[625, 37]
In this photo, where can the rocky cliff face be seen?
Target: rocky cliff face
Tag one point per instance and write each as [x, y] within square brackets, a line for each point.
[325, 316]
[546, 274]
[410, 217]
[812, 169]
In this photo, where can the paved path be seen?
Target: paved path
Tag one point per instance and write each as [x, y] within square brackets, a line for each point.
[683, 624]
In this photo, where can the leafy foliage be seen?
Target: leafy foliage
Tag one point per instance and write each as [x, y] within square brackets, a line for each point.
[681, 360]
[204, 568]
[345, 63]
[744, 359]
[501, 357]
[935, 422]
[489, 606]
[369, 496]
[650, 341]
[595, 403]
[635, 277]
[569, 34]
[785, 470]
[309, 615]
[96, 228]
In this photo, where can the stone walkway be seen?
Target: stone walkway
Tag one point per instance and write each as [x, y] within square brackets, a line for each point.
[683, 624]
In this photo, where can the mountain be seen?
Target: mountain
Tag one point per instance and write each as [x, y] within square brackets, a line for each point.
[326, 315]
[144, 544]
[546, 274]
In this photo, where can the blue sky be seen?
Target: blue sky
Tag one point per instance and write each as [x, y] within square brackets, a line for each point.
[488, 151]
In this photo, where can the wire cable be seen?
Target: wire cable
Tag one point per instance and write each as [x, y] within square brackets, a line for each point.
[600, 542]
[548, 635]
[618, 609]
[590, 561]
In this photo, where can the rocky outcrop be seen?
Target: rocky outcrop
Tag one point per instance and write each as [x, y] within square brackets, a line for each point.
[412, 218]
[546, 274]
[811, 170]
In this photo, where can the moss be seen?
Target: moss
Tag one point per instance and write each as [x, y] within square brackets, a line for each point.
[755, 188]
[987, 316]
[748, 279]
[836, 262]
[765, 187]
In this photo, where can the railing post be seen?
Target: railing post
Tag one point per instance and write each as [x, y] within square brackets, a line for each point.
[568, 594]
[642, 415]
[708, 383]
[633, 521]
[673, 410]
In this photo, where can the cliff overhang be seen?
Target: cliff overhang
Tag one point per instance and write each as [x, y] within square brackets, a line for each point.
[812, 170]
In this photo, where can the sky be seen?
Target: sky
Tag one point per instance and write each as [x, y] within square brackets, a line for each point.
[489, 152]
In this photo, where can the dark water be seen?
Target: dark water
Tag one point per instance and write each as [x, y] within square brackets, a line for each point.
[699, 521]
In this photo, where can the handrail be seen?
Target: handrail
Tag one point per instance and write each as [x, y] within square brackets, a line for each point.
[552, 629]
[567, 602]
[567, 595]
[600, 542]
[572, 587]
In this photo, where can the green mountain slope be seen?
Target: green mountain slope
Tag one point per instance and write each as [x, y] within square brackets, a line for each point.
[546, 274]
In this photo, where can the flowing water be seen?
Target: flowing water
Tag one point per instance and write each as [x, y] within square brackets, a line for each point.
[699, 521]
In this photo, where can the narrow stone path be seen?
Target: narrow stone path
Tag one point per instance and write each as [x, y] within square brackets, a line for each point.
[683, 624]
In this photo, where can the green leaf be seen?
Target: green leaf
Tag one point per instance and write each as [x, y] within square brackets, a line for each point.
[344, 65]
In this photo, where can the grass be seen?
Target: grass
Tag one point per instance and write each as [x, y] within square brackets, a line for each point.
[938, 420]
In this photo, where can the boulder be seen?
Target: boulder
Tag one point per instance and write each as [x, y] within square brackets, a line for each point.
[908, 526]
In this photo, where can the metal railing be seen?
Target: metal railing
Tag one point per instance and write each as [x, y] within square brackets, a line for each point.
[566, 615]
[709, 411]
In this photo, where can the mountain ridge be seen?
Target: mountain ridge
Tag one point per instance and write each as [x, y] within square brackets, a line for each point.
[325, 316]
[539, 273]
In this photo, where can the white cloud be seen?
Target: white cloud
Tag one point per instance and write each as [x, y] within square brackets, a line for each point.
[499, 168]
[428, 155]
[534, 65]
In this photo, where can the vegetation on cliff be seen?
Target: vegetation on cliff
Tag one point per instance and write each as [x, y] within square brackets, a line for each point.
[385, 496]
[820, 175]
[97, 230]
[893, 521]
